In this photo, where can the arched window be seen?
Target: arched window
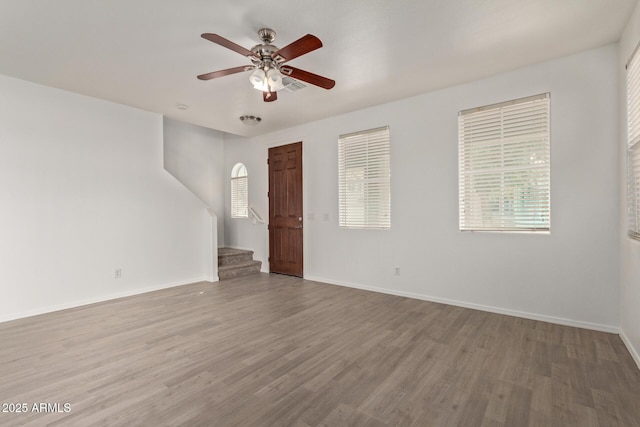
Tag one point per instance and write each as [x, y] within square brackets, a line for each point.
[239, 191]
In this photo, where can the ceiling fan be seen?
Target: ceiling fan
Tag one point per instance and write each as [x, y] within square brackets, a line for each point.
[268, 63]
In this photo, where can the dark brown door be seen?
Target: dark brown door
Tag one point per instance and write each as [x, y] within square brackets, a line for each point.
[285, 209]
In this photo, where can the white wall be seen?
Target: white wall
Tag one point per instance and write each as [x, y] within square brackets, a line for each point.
[570, 276]
[629, 249]
[242, 233]
[83, 192]
[194, 156]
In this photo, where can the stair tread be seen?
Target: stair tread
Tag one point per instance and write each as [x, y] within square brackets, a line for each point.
[226, 252]
[239, 265]
[234, 263]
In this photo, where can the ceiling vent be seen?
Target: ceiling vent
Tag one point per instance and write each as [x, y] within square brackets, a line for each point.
[292, 85]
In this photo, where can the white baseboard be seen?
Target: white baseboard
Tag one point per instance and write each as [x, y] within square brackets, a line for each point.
[102, 298]
[488, 308]
[630, 347]
[211, 279]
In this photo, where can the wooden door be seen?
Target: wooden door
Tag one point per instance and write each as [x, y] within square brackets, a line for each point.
[285, 209]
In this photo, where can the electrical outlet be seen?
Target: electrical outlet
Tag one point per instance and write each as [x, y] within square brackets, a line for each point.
[117, 273]
[397, 271]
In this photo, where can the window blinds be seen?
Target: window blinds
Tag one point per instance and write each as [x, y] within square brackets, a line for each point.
[633, 141]
[364, 179]
[239, 196]
[504, 166]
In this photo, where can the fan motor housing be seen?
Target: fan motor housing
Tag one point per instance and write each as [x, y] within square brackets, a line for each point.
[264, 51]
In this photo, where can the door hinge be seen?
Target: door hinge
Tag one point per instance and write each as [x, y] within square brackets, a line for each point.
[267, 194]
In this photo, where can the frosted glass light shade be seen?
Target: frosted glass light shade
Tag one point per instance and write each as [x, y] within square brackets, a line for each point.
[274, 79]
[259, 79]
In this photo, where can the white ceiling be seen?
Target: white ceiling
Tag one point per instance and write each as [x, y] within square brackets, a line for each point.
[147, 53]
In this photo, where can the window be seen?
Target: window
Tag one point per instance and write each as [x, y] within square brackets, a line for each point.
[504, 166]
[239, 191]
[633, 146]
[364, 179]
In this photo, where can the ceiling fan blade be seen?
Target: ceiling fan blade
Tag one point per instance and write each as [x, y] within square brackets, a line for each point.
[299, 47]
[217, 39]
[221, 73]
[269, 96]
[308, 77]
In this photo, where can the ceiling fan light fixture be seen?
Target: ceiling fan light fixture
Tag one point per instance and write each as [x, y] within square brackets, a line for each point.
[250, 120]
[268, 74]
[274, 79]
[259, 79]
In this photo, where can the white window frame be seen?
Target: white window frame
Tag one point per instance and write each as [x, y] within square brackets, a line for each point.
[364, 179]
[633, 145]
[504, 166]
[239, 191]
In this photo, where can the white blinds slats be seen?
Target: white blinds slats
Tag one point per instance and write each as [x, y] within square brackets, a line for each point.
[634, 191]
[364, 179]
[239, 197]
[504, 166]
[633, 151]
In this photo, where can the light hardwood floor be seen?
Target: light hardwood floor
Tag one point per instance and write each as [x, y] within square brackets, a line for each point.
[274, 350]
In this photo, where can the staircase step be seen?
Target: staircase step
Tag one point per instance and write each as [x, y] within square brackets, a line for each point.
[230, 256]
[226, 272]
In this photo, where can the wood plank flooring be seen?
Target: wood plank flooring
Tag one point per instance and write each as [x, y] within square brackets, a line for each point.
[268, 350]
